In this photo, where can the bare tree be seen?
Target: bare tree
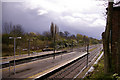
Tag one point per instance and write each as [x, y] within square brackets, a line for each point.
[66, 33]
[17, 30]
[7, 27]
[61, 34]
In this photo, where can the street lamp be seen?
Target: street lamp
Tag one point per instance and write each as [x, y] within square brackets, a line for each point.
[14, 48]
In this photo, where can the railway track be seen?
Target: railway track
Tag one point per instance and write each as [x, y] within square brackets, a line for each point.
[26, 60]
[72, 69]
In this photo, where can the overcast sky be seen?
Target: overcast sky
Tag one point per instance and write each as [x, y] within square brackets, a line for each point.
[75, 16]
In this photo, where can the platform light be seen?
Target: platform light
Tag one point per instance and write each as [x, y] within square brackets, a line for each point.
[14, 48]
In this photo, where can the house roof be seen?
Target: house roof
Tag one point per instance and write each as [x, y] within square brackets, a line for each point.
[117, 4]
[116, 8]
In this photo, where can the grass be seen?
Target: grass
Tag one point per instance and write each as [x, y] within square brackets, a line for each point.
[11, 53]
[93, 49]
[85, 70]
[5, 54]
[98, 73]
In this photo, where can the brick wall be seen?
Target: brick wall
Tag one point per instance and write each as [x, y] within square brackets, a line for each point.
[115, 34]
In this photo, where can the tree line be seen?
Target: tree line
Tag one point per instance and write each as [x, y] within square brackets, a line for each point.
[39, 41]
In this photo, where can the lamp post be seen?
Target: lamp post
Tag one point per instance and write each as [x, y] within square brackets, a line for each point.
[14, 48]
[28, 47]
[72, 45]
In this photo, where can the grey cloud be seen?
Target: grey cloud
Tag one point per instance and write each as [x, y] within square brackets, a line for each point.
[31, 22]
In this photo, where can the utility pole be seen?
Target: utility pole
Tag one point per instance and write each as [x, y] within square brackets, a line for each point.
[29, 40]
[54, 45]
[72, 45]
[14, 48]
[87, 53]
[28, 47]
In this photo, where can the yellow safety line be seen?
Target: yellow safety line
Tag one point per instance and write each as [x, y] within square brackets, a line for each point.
[17, 66]
[43, 72]
[5, 69]
[48, 70]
